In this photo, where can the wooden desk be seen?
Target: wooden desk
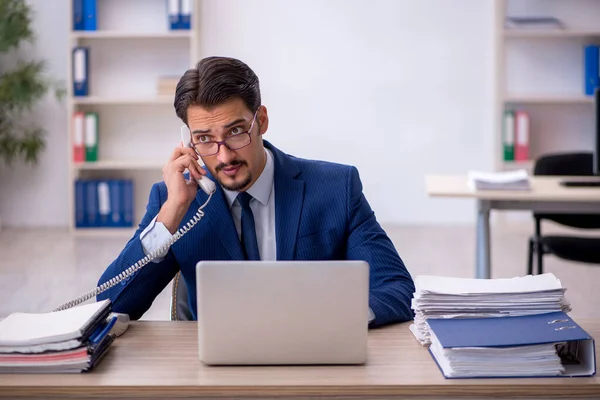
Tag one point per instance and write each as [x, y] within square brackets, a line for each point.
[546, 195]
[159, 360]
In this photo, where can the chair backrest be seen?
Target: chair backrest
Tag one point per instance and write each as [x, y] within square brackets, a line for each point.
[568, 164]
[180, 308]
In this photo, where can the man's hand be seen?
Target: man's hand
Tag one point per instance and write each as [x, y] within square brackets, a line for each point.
[181, 192]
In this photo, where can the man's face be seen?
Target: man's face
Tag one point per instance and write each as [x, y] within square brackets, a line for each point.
[237, 169]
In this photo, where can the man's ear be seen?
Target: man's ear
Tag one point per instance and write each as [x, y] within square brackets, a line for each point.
[263, 119]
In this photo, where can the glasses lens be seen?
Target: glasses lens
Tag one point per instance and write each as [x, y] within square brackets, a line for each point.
[206, 149]
[238, 141]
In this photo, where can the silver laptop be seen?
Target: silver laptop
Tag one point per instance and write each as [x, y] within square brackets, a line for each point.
[282, 312]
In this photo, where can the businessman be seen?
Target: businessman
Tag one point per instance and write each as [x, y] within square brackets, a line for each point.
[268, 205]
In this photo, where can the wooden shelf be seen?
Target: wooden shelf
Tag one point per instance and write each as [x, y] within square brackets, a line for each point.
[542, 34]
[110, 165]
[131, 35]
[116, 100]
[518, 164]
[549, 99]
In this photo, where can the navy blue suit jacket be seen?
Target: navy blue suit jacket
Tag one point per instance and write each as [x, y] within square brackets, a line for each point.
[320, 214]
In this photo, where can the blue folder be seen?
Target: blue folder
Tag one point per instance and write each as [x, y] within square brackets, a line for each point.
[80, 71]
[502, 332]
[77, 15]
[89, 11]
[591, 69]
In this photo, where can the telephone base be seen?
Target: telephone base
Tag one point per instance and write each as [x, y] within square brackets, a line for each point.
[120, 325]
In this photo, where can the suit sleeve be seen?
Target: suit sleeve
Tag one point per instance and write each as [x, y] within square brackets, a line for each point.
[135, 295]
[391, 285]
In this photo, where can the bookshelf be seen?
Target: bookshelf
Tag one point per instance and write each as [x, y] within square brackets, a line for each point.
[541, 71]
[137, 127]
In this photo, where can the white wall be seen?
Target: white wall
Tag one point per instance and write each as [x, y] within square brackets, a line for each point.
[35, 195]
[398, 88]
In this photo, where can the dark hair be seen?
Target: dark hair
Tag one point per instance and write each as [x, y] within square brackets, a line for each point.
[214, 81]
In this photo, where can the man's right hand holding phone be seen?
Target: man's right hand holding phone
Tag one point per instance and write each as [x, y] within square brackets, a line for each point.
[181, 192]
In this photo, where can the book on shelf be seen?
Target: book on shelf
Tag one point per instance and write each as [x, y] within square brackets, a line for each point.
[179, 14]
[91, 136]
[104, 203]
[516, 135]
[78, 129]
[591, 54]
[69, 341]
[81, 71]
[508, 135]
[84, 15]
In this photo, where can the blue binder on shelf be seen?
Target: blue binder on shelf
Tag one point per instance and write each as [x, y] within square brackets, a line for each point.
[91, 203]
[128, 203]
[80, 217]
[117, 216]
[502, 336]
[77, 15]
[185, 14]
[80, 71]
[89, 12]
[591, 69]
[173, 11]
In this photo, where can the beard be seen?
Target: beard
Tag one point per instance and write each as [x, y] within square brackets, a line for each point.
[235, 186]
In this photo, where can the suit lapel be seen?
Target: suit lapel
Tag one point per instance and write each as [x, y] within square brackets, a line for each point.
[219, 216]
[289, 197]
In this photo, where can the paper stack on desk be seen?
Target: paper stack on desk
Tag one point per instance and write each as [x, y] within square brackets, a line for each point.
[448, 297]
[541, 345]
[68, 341]
[505, 180]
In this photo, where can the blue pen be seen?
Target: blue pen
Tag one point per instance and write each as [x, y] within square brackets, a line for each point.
[101, 332]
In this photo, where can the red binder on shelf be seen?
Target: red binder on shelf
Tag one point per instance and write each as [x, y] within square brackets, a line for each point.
[522, 128]
[78, 137]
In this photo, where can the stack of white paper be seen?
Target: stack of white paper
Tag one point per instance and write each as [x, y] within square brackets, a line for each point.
[506, 180]
[448, 297]
[68, 341]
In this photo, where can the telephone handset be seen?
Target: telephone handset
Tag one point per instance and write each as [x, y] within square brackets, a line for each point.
[207, 185]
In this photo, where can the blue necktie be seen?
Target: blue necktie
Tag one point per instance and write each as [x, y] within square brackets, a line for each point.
[249, 241]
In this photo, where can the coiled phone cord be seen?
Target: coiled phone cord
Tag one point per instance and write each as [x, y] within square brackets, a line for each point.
[138, 265]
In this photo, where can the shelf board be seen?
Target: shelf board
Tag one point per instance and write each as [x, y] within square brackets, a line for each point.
[541, 34]
[116, 100]
[549, 99]
[130, 35]
[518, 164]
[104, 232]
[118, 165]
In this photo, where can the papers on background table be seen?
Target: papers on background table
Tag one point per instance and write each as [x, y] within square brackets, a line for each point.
[534, 23]
[505, 180]
[448, 297]
[68, 341]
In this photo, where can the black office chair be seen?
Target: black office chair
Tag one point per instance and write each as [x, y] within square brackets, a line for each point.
[572, 248]
[180, 308]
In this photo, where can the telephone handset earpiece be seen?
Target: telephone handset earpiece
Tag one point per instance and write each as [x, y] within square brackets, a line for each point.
[205, 183]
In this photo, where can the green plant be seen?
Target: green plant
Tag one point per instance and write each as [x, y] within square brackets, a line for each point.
[22, 84]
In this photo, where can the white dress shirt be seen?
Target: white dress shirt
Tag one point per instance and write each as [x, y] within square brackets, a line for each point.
[263, 209]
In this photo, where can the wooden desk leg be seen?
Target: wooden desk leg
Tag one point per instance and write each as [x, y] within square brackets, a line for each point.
[482, 268]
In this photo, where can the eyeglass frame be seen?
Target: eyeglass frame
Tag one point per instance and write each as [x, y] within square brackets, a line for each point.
[224, 141]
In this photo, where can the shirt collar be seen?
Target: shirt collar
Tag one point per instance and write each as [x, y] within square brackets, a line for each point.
[262, 187]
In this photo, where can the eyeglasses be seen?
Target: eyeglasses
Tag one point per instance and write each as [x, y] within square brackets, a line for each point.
[233, 142]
